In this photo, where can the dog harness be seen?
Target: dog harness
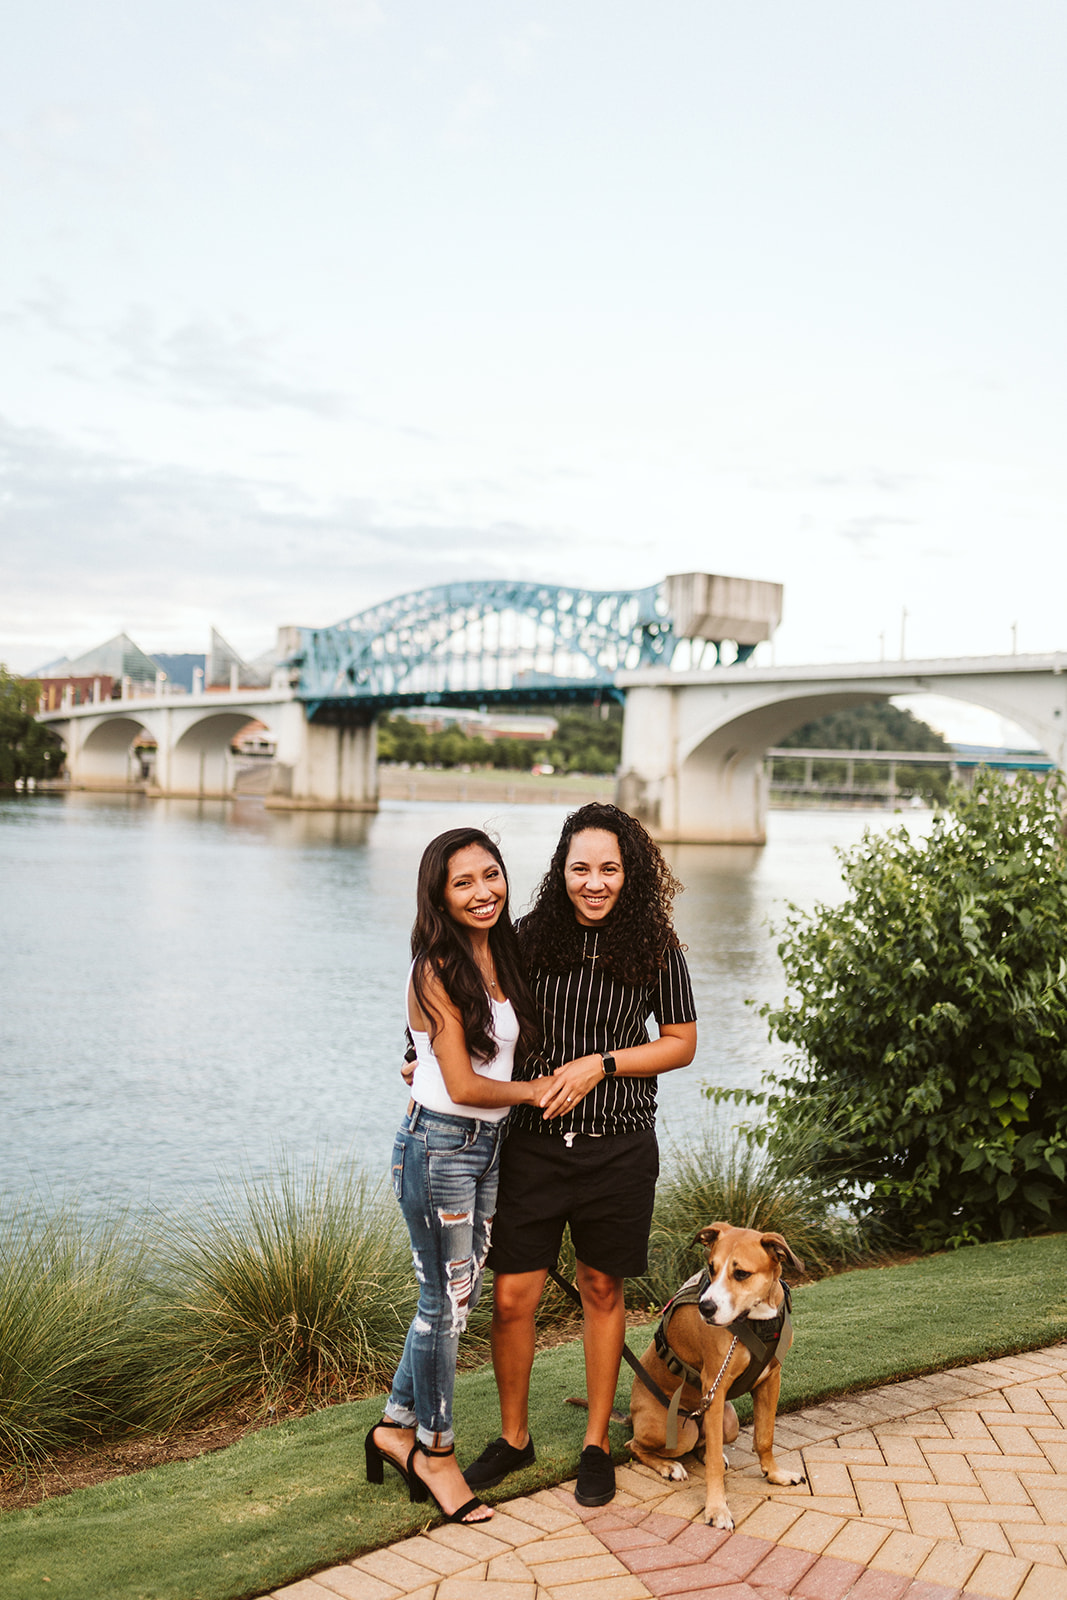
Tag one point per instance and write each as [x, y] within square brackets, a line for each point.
[778, 1331]
[773, 1338]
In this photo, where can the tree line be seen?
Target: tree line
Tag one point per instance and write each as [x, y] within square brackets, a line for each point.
[27, 750]
[585, 740]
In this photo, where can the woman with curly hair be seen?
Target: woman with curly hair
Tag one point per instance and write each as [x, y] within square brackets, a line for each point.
[601, 956]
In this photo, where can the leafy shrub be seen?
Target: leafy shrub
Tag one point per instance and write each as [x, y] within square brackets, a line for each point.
[71, 1296]
[930, 1015]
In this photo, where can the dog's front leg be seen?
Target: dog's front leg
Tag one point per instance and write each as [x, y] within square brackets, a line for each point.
[716, 1511]
[764, 1408]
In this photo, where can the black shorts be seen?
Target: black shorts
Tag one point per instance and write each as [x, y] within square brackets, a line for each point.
[604, 1188]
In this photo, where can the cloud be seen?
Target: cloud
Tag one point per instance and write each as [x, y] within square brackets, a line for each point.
[285, 31]
[93, 542]
[864, 534]
[213, 362]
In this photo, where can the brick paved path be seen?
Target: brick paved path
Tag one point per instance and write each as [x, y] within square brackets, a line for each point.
[921, 1490]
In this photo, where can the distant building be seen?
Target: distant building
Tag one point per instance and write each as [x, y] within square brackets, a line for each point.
[225, 669]
[117, 659]
[180, 668]
[121, 660]
[488, 725]
[83, 691]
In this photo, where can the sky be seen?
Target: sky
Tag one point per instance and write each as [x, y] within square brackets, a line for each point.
[308, 303]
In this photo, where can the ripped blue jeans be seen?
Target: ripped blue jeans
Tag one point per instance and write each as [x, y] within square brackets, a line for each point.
[445, 1172]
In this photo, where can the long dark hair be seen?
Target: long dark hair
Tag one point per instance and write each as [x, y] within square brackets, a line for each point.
[635, 938]
[441, 947]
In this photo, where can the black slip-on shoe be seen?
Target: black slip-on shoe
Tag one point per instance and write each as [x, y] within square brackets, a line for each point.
[496, 1461]
[596, 1477]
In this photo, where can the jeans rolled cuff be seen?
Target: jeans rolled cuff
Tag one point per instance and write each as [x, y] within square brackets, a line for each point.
[444, 1440]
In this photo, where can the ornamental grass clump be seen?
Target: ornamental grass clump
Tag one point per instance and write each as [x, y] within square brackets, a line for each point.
[296, 1286]
[723, 1174]
[71, 1302]
[928, 1013]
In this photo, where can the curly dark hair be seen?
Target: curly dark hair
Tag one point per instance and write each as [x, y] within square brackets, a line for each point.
[636, 936]
[441, 946]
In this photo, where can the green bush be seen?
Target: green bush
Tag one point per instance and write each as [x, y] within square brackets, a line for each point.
[929, 1011]
[296, 1286]
[71, 1298]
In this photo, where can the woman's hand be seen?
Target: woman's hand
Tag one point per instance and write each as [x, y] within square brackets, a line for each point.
[570, 1084]
[538, 1089]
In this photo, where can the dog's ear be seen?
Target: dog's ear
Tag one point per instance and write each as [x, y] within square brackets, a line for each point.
[776, 1246]
[707, 1236]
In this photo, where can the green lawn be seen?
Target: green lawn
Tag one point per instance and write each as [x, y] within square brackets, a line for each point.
[288, 1501]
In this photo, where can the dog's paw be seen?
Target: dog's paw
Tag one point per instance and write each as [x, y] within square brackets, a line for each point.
[785, 1480]
[725, 1462]
[719, 1517]
[673, 1471]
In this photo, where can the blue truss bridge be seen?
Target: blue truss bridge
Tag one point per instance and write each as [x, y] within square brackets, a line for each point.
[492, 640]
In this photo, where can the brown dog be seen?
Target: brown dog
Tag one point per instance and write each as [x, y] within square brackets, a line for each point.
[745, 1267]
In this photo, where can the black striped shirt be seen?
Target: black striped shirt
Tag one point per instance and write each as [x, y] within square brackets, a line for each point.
[585, 1011]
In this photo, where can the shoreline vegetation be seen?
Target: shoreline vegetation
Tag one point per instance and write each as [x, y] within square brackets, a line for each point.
[291, 1294]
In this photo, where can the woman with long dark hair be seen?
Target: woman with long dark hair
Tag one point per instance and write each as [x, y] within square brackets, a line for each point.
[602, 956]
[473, 1021]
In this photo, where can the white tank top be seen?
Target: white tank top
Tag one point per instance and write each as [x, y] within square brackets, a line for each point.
[428, 1085]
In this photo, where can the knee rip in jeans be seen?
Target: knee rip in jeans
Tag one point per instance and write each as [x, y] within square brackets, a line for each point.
[461, 1276]
[461, 1272]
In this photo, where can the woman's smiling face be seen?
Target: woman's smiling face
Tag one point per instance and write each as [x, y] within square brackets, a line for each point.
[475, 888]
[593, 874]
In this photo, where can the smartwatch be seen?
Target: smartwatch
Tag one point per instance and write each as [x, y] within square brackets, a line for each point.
[609, 1066]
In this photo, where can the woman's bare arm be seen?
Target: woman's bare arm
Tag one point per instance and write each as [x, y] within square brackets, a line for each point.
[465, 1086]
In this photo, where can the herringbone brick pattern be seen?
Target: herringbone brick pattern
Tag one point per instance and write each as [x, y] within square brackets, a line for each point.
[931, 1489]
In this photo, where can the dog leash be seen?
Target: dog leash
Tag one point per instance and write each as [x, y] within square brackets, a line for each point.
[671, 1403]
[627, 1354]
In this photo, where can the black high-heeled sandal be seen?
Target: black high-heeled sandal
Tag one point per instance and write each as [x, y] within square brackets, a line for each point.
[420, 1490]
[376, 1457]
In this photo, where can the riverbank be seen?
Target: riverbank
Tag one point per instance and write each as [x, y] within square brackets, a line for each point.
[509, 788]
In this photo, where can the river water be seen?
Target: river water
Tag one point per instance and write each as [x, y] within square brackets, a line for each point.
[193, 992]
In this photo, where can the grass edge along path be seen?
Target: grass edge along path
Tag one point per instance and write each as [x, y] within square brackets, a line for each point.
[291, 1500]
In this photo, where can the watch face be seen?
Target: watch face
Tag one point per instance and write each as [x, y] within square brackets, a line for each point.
[609, 1065]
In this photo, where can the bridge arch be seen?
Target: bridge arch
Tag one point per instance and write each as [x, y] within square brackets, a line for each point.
[693, 745]
[101, 752]
[199, 760]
